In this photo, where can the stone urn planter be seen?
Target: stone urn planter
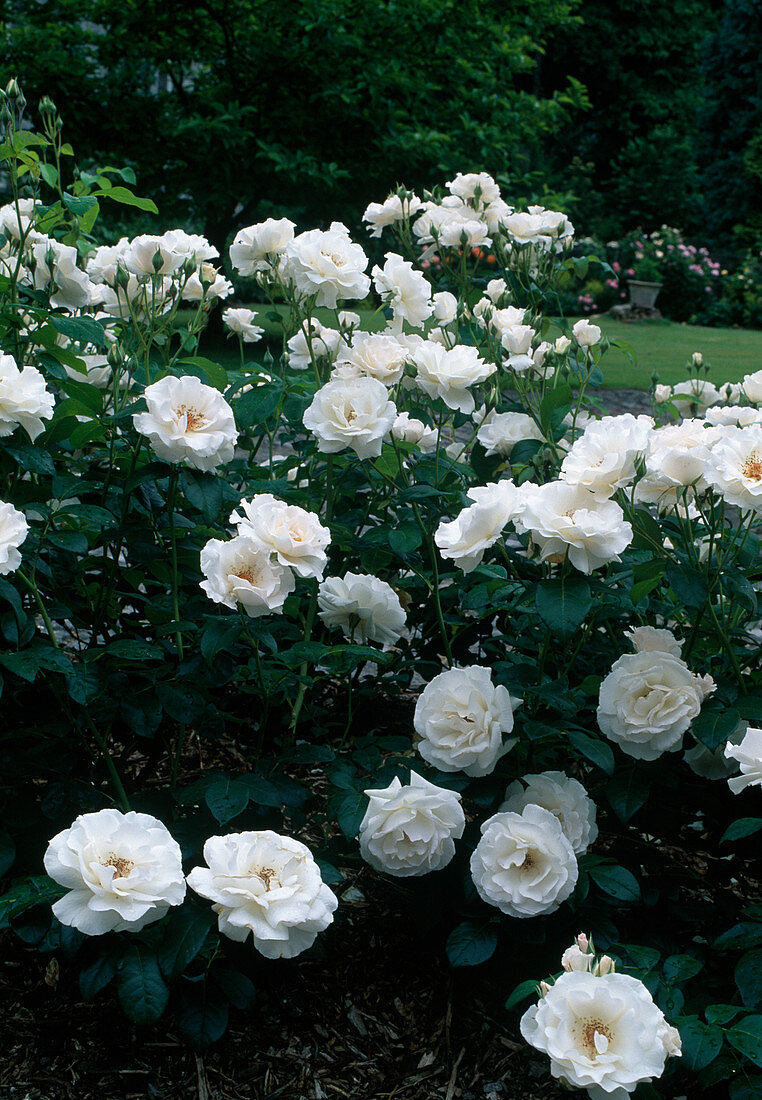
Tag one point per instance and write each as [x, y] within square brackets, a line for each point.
[643, 295]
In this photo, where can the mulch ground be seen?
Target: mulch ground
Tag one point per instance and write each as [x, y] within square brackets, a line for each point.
[380, 1016]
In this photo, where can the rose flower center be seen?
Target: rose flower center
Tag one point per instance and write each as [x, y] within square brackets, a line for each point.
[752, 467]
[596, 1037]
[122, 866]
[193, 418]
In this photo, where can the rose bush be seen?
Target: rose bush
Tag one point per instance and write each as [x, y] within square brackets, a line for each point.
[254, 593]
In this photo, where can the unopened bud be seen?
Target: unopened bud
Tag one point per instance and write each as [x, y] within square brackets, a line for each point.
[605, 965]
[207, 274]
[582, 942]
[121, 277]
[697, 359]
[545, 988]
[12, 89]
[47, 106]
[114, 356]
[158, 261]
[6, 118]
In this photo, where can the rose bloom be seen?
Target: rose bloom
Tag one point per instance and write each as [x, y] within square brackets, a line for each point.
[13, 530]
[406, 290]
[543, 228]
[24, 400]
[241, 571]
[648, 701]
[324, 343]
[410, 430]
[731, 392]
[188, 421]
[364, 608]
[97, 372]
[267, 885]
[602, 1033]
[675, 460]
[696, 393]
[752, 387]
[604, 458]
[734, 467]
[500, 432]
[294, 537]
[649, 639]
[524, 863]
[256, 247]
[569, 520]
[56, 270]
[379, 215]
[152, 255]
[749, 756]
[478, 188]
[241, 321]
[327, 264]
[102, 262]
[461, 717]
[466, 538]
[351, 412]
[122, 872]
[445, 307]
[448, 374]
[735, 416]
[217, 286]
[566, 799]
[375, 355]
[586, 334]
[409, 831]
[662, 394]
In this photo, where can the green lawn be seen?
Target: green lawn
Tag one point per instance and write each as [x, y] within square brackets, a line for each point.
[661, 346]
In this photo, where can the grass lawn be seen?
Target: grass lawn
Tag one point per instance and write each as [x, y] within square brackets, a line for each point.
[661, 346]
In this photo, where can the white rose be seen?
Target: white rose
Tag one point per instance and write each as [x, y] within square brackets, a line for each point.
[523, 863]
[267, 885]
[13, 530]
[568, 520]
[648, 639]
[410, 430]
[662, 394]
[241, 321]
[217, 287]
[256, 247]
[102, 262]
[323, 343]
[696, 393]
[465, 539]
[364, 608]
[734, 467]
[375, 355]
[152, 255]
[749, 756]
[496, 288]
[501, 320]
[241, 571]
[294, 536]
[448, 374]
[188, 421]
[56, 270]
[736, 416]
[648, 701]
[14, 222]
[604, 458]
[586, 334]
[122, 872]
[24, 399]
[461, 717]
[97, 372]
[752, 387]
[379, 215]
[562, 345]
[406, 290]
[445, 307]
[352, 412]
[676, 459]
[328, 264]
[500, 432]
[478, 188]
[564, 797]
[602, 1033]
[411, 830]
[731, 392]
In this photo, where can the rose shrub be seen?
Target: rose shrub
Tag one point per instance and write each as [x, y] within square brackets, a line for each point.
[258, 611]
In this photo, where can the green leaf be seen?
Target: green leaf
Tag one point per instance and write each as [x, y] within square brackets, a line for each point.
[679, 968]
[97, 975]
[142, 991]
[329, 873]
[125, 196]
[701, 1044]
[521, 992]
[350, 813]
[471, 943]
[238, 989]
[205, 492]
[134, 649]
[749, 978]
[627, 792]
[226, 798]
[79, 205]
[218, 634]
[7, 853]
[744, 826]
[24, 664]
[690, 586]
[33, 459]
[84, 329]
[593, 749]
[261, 791]
[721, 1014]
[201, 1014]
[254, 409]
[405, 539]
[741, 936]
[616, 881]
[563, 604]
[746, 1037]
[559, 398]
[750, 1089]
[712, 727]
[186, 931]
[643, 958]
[215, 373]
